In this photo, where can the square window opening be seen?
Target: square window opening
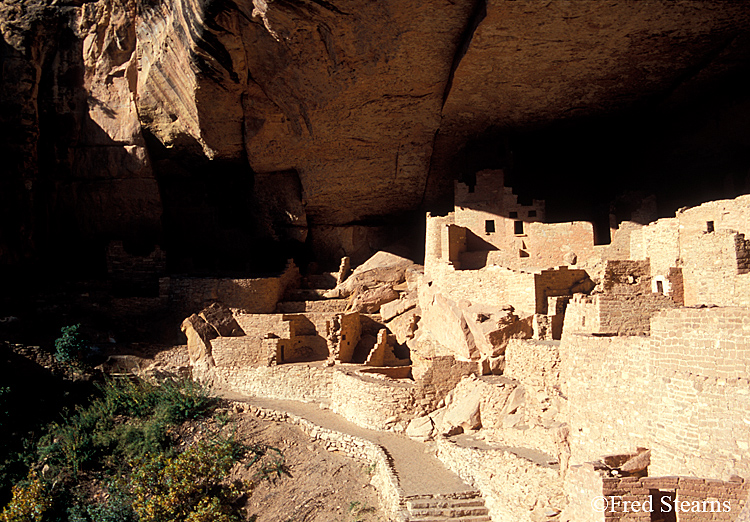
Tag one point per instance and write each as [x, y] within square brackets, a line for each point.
[532, 213]
[518, 227]
[489, 226]
[513, 215]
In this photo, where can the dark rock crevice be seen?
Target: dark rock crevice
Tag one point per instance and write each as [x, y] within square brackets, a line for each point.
[478, 13]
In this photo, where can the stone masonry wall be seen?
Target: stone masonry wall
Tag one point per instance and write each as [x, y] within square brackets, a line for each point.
[435, 228]
[597, 498]
[703, 359]
[513, 487]
[627, 277]
[533, 363]
[558, 282]
[491, 285]
[683, 392]
[658, 242]
[299, 382]
[605, 314]
[548, 243]
[708, 243]
[443, 374]
[711, 269]
[134, 268]
[726, 214]
[239, 351]
[258, 296]
[372, 402]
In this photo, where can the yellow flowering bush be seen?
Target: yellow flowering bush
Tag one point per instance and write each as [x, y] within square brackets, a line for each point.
[188, 487]
[30, 500]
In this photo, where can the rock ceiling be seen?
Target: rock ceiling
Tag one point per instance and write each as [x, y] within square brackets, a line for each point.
[368, 102]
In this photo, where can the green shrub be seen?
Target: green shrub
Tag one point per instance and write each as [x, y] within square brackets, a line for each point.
[117, 508]
[123, 443]
[91, 436]
[71, 347]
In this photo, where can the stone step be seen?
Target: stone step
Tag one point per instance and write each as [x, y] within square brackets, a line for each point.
[323, 305]
[447, 519]
[326, 280]
[306, 294]
[442, 502]
[450, 512]
[467, 506]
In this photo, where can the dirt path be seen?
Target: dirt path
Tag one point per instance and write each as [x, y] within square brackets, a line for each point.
[419, 472]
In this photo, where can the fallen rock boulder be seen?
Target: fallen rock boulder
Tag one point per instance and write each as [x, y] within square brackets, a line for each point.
[369, 301]
[421, 429]
[199, 334]
[221, 319]
[383, 268]
[464, 412]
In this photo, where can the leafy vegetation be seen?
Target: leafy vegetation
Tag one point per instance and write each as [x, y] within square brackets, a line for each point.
[358, 512]
[188, 487]
[121, 458]
[131, 419]
[71, 347]
[30, 501]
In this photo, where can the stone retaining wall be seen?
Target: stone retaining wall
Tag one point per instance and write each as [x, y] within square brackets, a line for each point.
[384, 477]
[513, 487]
[373, 402]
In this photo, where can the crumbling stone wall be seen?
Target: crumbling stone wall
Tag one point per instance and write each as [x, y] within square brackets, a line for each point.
[697, 498]
[489, 226]
[135, 269]
[533, 363]
[625, 307]
[559, 282]
[434, 227]
[604, 314]
[442, 375]
[490, 210]
[713, 273]
[489, 285]
[255, 296]
[708, 244]
[683, 391]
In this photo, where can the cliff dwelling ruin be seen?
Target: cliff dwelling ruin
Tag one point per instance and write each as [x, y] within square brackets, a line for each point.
[496, 252]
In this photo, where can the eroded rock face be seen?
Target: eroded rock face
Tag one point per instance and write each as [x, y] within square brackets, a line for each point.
[113, 109]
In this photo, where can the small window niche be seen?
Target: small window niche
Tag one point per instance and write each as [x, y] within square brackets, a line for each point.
[709, 226]
[513, 215]
[532, 213]
[489, 226]
[518, 227]
[660, 287]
